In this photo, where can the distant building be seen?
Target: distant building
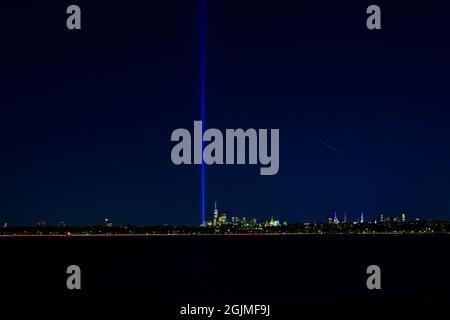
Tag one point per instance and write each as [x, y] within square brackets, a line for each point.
[222, 219]
[5, 225]
[403, 217]
[362, 218]
[272, 223]
[62, 224]
[41, 224]
[335, 219]
[216, 214]
[381, 217]
[108, 223]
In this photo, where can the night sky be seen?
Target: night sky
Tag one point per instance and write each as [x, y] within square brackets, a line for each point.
[86, 116]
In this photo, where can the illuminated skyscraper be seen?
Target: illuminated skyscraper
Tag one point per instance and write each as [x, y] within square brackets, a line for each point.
[216, 213]
[403, 217]
[41, 224]
[362, 218]
[223, 219]
[335, 220]
[381, 217]
[62, 224]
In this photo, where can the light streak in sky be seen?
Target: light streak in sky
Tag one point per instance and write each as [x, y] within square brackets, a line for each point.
[328, 146]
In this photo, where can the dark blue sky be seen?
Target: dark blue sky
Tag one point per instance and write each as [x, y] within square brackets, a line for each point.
[86, 116]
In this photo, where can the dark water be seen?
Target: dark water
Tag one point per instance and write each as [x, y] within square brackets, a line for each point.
[227, 268]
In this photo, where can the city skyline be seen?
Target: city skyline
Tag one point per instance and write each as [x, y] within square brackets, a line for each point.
[213, 217]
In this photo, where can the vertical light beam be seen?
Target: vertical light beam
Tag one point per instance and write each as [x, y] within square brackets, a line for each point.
[203, 89]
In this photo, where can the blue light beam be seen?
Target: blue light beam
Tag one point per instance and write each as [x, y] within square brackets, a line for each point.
[203, 90]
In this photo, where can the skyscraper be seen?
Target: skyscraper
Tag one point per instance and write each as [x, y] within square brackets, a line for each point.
[223, 219]
[335, 220]
[362, 218]
[216, 213]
